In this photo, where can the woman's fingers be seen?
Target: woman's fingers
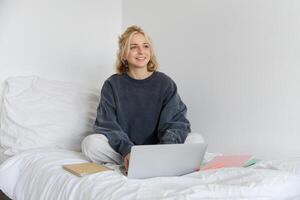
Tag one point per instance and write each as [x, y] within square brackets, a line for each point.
[126, 162]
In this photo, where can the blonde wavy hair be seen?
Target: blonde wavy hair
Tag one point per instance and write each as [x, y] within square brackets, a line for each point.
[124, 42]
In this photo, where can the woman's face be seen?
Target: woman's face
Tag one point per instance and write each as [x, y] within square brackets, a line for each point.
[139, 52]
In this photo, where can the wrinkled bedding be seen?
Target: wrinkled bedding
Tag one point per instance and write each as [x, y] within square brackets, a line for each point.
[37, 174]
[3, 157]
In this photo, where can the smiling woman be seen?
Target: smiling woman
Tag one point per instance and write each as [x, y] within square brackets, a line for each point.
[138, 106]
[138, 54]
[135, 53]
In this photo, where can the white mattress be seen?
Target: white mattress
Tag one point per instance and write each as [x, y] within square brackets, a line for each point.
[38, 174]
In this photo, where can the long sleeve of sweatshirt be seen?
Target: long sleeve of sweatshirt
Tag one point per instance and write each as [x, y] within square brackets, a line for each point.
[106, 122]
[173, 125]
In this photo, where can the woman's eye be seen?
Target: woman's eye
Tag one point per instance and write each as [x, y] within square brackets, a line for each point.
[146, 46]
[133, 47]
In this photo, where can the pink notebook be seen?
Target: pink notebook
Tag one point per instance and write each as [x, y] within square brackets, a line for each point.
[227, 161]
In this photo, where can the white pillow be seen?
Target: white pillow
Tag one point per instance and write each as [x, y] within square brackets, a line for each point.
[42, 113]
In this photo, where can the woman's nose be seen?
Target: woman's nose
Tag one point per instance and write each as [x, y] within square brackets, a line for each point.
[140, 50]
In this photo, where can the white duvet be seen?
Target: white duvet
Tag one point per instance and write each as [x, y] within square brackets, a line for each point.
[38, 175]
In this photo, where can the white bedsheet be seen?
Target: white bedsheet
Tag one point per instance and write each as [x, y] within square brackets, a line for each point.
[3, 157]
[38, 174]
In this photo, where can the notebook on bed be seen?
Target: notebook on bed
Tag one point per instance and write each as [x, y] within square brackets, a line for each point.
[148, 161]
[82, 169]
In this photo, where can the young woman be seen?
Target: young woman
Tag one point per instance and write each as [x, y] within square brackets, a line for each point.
[138, 105]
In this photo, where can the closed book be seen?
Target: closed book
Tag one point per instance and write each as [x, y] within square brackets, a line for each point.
[82, 169]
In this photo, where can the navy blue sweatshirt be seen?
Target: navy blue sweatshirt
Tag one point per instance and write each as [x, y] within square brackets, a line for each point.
[137, 112]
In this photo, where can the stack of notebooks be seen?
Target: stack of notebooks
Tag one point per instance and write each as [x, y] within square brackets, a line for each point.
[230, 161]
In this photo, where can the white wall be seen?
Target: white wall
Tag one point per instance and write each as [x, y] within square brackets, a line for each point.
[237, 67]
[69, 40]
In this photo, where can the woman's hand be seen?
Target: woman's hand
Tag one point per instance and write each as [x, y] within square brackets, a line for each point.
[126, 162]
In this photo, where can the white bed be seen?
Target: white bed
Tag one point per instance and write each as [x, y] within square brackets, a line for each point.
[35, 144]
[38, 174]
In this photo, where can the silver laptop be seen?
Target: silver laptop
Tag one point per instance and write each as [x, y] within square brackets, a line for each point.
[148, 161]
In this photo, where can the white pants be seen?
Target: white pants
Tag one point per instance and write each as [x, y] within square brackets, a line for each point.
[97, 149]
